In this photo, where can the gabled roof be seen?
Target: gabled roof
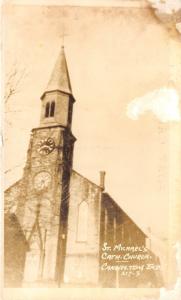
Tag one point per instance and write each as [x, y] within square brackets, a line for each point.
[60, 79]
[86, 179]
[106, 196]
[18, 182]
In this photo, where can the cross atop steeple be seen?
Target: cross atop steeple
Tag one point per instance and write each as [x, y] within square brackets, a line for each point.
[63, 35]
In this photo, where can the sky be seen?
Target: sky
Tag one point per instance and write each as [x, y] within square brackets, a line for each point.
[114, 56]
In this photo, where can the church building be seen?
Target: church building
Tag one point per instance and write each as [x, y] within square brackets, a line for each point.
[65, 219]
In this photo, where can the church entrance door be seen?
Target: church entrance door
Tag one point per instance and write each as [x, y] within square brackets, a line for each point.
[31, 272]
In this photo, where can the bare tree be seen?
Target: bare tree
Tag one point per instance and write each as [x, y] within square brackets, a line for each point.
[13, 81]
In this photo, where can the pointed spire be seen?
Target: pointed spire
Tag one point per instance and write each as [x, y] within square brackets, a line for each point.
[59, 79]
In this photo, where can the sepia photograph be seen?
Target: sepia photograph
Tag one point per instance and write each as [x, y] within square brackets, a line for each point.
[92, 149]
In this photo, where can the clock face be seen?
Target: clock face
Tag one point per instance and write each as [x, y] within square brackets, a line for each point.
[46, 146]
[42, 180]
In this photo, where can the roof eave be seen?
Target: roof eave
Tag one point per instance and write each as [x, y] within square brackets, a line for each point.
[60, 91]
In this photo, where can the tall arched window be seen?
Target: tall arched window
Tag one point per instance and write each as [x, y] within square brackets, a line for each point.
[33, 259]
[47, 108]
[52, 109]
[82, 225]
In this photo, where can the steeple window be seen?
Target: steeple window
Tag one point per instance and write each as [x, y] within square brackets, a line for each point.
[50, 109]
[47, 108]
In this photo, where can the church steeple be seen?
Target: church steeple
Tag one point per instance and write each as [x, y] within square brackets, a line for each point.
[60, 80]
[57, 99]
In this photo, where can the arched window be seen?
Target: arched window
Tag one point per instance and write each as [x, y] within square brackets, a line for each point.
[47, 108]
[82, 225]
[32, 258]
[52, 109]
